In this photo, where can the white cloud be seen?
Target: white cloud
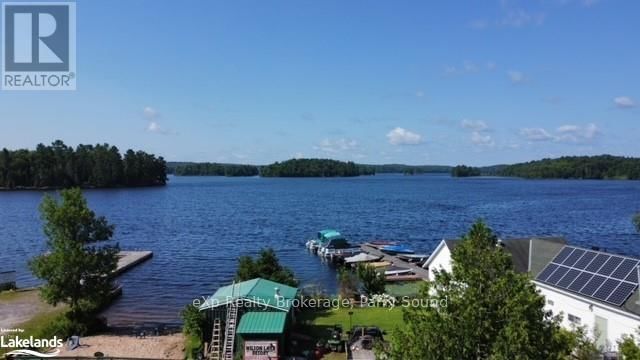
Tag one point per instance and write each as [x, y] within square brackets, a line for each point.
[482, 139]
[153, 127]
[400, 136]
[336, 146]
[624, 102]
[520, 18]
[563, 134]
[475, 125]
[516, 77]
[536, 134]
[150, 113]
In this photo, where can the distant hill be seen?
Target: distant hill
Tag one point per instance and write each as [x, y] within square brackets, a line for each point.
[577, 167]
[314, 168]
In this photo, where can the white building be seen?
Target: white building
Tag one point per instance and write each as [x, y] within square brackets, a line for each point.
[590, 288]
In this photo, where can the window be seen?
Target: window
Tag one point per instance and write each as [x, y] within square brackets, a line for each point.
[574, 319]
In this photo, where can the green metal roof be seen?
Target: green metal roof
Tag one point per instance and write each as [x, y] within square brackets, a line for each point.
[259, 291]
[262, 322]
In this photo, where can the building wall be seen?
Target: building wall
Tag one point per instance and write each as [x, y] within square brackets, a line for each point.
[441, 261]
[617, 323]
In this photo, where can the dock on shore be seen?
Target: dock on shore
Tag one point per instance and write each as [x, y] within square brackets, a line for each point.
[129, 259]
[417, 270]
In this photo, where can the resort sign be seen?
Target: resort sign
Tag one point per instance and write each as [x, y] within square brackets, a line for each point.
[260, 350]
[38, 46]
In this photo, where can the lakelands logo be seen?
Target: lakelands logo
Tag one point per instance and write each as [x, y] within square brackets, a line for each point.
[38, 46]
[24, 346]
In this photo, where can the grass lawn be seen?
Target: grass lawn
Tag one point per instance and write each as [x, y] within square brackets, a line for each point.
[410, 288]
[319, 323]
[29, 312]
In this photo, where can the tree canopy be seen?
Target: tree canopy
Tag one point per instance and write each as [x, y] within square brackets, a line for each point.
[76, 271]
[465, 171]
[314, 168]
[482, 309]
[266, 266]
[61, 166]
[578, 167]
[215, 169]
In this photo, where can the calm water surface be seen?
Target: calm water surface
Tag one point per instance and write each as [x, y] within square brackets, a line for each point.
[198, 226]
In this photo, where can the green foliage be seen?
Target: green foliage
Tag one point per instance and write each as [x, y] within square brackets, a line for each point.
[408, 169]
[629, 348]
[313, 168]
[75, 271]
[214, 169]
[578, 167]
[60, 166]
[348, 283]
[372, 281]
[266, 266]
[193, 347]
[465, 171]
[193, 320]
[482, 309]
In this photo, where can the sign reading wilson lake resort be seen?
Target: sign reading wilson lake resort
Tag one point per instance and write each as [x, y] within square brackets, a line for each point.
[38, 46]
[260, 350]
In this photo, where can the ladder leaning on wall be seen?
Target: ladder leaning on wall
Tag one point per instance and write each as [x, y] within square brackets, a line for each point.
[230, 329]
[214, 347]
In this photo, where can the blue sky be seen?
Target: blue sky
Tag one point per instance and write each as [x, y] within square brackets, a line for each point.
[417, 82]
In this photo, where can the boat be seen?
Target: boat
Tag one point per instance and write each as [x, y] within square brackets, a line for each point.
[396, 249]
[337, 247]
[322, 237]
[413, 258]
[395, 270]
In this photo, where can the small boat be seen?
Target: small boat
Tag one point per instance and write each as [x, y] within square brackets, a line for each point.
[322, 237]
[396, 249]
[394, 270]
[413, 258]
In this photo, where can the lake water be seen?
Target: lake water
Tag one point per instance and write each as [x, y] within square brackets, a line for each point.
[198, 226]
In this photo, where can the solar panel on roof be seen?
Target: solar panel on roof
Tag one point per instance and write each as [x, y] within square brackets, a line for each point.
[621, 294]
[623, 270]
[633, 276]
[568, 278]
[557, 275]
[585, 260]
[575, 256]
[597, 262]
[547, 271]
[603, 277]
[610, 266]
[562, 255]
[580, 281]
[593, 285]
[606, 289]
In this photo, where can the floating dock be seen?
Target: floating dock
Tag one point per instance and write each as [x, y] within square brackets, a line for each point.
[419, 272]
[129, 259]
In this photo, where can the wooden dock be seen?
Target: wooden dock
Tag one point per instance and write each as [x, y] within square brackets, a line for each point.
[129, 259]
[417, 270]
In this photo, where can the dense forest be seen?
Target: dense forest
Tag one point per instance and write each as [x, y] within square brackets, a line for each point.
[314, 168]
[61, 166]
[465, 171]
[409, 169]
[215, 169]
[577, 167]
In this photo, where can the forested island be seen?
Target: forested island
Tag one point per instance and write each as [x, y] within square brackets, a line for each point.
[465, 171]
[87, 166]
[314, 168]
[577, 167]
[215, 169]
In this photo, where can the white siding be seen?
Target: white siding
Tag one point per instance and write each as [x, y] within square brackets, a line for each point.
[618, 322]
[441, 261]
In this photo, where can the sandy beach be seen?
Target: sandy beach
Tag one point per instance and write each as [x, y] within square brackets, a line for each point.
[152, 347]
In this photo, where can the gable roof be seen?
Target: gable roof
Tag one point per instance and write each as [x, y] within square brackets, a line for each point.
[262, 322]
[259, 291]
[527, 254]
